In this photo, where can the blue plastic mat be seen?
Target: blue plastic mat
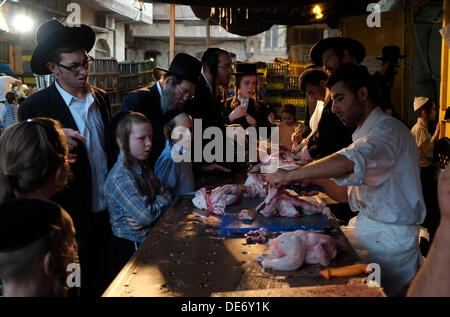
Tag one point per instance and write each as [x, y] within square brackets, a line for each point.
[231, 224]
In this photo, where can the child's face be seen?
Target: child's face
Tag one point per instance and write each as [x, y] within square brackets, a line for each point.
[141, 141]
[287, 118]
[247, 86]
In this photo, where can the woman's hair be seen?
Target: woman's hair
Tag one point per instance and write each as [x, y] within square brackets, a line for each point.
[289, 108]
[123, 132]
[31, 152]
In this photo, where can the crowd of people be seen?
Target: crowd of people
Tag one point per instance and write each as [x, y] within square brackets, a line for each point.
[87, 188]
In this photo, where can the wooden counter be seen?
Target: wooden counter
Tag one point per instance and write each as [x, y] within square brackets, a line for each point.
[185, 257]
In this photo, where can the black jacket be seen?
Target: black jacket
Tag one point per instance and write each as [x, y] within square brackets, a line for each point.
[204, 106]
[76, 197]
[148, 102]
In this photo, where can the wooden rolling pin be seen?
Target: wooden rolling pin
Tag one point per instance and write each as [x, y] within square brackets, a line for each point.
[348, 270]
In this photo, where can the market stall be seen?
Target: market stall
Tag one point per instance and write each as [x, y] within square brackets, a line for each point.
[188, 254]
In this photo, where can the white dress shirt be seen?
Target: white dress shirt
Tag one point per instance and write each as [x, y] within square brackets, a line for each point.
[243, 102]
[385, 185]
[88, 119]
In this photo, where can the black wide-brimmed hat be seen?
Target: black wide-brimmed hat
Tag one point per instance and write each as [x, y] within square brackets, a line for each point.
[390, 53]
[52, 35]
[246, 69]
[185, 66]
[25, 220]
[354, 47]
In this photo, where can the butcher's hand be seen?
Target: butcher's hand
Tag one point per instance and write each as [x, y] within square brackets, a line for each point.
[229, 189]
[133, 223]
[280, 177]
[72, 136]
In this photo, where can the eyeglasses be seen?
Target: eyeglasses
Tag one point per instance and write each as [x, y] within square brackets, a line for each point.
[77, 67]
[185, 93]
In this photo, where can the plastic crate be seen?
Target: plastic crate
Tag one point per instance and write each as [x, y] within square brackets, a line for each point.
[441, 152]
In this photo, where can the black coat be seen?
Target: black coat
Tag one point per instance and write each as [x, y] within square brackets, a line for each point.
[148, 102]
[76, 197]
[331, 135]
[204, 106]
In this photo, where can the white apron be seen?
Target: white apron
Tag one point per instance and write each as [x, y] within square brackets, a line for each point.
[394, 247]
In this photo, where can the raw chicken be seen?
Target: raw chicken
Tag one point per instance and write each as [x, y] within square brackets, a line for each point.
[255, 185]
[291, 249]
[246, 214]
[260, 236]
[217, 201]
[285, 201]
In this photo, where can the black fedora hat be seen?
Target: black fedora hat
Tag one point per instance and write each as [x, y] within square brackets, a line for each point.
[390, 52]
[185, 66]
[52, 35]
[246, 69]
[353, 46]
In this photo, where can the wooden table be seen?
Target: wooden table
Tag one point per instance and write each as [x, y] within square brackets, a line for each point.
[183, 256]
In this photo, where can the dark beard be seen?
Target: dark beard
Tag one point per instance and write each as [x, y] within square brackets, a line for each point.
[168, 100]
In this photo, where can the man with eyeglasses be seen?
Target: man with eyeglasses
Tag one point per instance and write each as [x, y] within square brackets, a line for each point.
[170, 92]
[85, 114]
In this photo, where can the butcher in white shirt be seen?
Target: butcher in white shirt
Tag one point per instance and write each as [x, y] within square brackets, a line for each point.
[378, 174]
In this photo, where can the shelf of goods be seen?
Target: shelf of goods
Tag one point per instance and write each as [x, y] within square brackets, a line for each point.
[104, 74]
[282, 85]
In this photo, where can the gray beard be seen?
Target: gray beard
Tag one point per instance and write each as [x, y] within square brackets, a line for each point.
[168, 100]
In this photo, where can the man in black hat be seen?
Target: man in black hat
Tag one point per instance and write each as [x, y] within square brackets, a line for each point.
[385, 76]
[208, 104]
[171, 92]
[85, 114]
[37, 243]
[331, 134]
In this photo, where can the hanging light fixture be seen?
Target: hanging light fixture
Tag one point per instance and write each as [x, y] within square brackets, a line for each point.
[318, 12]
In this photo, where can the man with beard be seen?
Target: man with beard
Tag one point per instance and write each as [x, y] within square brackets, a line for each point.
[171, 92]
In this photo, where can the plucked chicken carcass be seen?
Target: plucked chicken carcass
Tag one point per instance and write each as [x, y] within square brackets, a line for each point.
[283, 200]
[216, 201]
[291, 249]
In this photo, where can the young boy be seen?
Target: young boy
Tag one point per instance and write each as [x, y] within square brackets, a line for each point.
[135, 197]
[176, 175]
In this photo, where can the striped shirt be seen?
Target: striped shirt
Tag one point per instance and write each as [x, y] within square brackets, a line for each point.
[8, 114]
[124, 197]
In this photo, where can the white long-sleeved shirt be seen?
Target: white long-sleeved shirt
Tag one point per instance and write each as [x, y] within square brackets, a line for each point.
[385, 185]
[424, 141]
[88, 119]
